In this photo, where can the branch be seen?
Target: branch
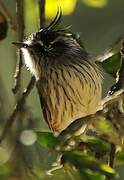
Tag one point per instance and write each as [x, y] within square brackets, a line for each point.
[20, 103]
[109, 52]
[25, 94]
[17, 109]
[21, 28]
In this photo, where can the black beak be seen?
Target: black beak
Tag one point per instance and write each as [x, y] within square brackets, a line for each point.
[20, 44]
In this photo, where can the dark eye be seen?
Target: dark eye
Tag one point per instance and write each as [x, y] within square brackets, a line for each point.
[25, 45]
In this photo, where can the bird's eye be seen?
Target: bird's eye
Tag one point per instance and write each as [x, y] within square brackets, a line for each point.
[25, 45]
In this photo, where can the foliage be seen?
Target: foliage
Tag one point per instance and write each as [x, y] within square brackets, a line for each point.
[89, 153]
[85, 156]
[112, 64]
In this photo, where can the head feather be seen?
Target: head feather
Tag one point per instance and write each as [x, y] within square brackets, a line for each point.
[56, 20]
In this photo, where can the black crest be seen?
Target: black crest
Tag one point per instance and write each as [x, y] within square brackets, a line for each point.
[56, 21]
[49, 33]
[52, 31]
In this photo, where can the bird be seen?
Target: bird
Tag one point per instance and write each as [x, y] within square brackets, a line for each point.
[68, 80]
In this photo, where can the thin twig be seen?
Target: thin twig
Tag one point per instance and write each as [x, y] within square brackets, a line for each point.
[109, 52]
[42, 13]
[21, 101]
[25, 94]
[8, 15]
[21, 28]
[17, 75]
[17, 108]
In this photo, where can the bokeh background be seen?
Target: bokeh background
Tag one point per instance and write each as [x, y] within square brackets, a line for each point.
[100, 23]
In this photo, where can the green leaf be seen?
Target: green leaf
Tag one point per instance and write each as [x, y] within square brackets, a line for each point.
[119, 158]
[112, 64]
[47, 139]
[106, 128]
[91, 175]
[107, 168]
[82, 160]
[96, 144]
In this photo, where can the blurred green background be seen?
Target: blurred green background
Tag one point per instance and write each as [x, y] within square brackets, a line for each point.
[99, 22]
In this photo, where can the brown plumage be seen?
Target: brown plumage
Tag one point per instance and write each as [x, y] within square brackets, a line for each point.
[69, 92]
[68, 81]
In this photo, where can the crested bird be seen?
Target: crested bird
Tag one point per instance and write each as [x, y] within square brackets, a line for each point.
[67, 79]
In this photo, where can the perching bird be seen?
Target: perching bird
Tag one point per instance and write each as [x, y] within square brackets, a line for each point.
[68, 81]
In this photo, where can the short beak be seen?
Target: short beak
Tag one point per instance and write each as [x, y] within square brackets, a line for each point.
[20, 44]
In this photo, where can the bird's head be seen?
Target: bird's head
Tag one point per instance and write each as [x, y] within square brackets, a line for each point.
[52, 41]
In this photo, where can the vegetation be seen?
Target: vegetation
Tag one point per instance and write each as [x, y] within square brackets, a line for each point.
[28, 149]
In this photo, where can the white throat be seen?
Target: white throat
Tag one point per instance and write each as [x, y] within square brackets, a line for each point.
[30, 63]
